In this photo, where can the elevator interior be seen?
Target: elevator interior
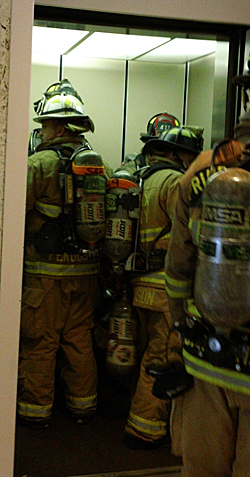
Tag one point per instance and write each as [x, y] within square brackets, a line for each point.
[122, 90]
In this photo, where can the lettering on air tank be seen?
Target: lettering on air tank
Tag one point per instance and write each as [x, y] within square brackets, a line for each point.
[223, 215]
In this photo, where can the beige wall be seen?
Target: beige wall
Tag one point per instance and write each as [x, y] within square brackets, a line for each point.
[5, 8]
[226, 11]
[15, 59]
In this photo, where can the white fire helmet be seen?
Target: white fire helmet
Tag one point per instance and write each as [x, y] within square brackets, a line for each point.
[62, 106]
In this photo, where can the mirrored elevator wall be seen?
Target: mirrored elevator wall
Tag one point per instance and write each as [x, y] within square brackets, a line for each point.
[195, 93]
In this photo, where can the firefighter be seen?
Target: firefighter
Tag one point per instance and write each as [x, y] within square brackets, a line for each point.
[60, 289]
[147, 423]
[211, 409]
[158, 124]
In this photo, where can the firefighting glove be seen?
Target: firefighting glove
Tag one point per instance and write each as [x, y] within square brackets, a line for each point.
[171, 380]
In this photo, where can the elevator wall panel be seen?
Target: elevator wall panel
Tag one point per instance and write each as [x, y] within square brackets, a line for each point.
[200, 95]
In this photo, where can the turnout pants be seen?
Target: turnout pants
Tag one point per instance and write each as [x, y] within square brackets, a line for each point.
[210, 429]
[148, 415]
[57, 313]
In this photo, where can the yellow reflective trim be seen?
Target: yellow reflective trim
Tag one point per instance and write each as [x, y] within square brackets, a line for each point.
[154, 277]
[157, 428]
[147, 234]
[151, 238]
[225, 378]
[155, 230]
[178, 288]
[178, 283]
[177, 294]
[195, 227]
[152, 280]
[47, 209]
[82, 403]
[33, 410]
[33, 406]
[192, 308]
[153, 120]
[52, 269]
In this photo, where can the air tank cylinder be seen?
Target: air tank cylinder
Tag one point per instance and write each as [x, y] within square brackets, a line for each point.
[222, 279]
[122, 338]
[90, 190]
[122, 192]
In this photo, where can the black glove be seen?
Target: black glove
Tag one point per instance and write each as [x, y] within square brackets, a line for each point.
[171, 380]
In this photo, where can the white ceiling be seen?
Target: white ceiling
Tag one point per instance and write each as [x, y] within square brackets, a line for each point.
[49, 44]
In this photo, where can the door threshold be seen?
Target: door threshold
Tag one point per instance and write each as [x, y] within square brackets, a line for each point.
[159, 472]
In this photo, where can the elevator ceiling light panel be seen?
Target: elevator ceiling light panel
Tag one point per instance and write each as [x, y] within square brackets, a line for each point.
[49, 43]
[180, 50]
[116, 46]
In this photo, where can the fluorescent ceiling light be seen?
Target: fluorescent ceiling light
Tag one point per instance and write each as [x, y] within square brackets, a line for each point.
[55, 41]
[180, 50]
[116, 46]
[49, 43]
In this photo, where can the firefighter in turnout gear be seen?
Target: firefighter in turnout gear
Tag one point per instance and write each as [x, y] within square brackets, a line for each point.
[158, 124]
[210, 420]
[148, 420]
[60, 285]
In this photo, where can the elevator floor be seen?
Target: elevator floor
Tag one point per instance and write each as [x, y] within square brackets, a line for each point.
[94, 450]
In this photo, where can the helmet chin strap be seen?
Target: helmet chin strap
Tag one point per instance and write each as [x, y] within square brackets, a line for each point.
[177, 159]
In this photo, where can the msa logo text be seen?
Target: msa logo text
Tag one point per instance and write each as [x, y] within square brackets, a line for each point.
[223, 215]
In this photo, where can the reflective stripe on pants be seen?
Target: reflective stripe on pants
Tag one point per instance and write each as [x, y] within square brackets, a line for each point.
[148, 416]
[57, 313]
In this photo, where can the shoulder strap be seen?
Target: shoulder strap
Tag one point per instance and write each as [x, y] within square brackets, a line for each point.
[60, 148]
[64, 153]
[161, 234]
[158, 167]
[152, 169]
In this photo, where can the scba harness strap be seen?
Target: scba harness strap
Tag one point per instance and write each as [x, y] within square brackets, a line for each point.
[59, 235]
[152, 259]
[201, 340]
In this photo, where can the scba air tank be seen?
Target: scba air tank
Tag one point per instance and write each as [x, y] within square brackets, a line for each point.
[122, 338]
[222, 279]
[122, 206]
[90, 190]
